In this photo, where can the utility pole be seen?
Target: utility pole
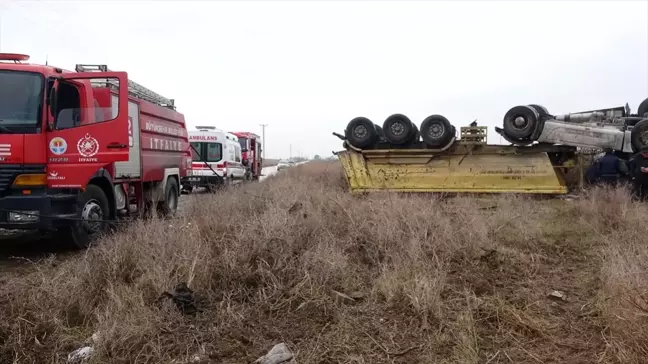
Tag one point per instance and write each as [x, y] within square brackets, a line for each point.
[290, 151]
[265, 144]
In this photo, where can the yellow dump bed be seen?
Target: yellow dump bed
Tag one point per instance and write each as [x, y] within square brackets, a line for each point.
[464, 166]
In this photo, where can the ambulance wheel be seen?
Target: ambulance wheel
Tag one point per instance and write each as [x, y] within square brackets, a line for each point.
[520, 122]
[398, 129]
[361, 132]
[437, 131]
[639, 136]
[93, 211]
[642, 110]
[169, 206]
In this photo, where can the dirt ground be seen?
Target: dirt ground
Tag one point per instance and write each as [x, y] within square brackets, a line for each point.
[383, 278]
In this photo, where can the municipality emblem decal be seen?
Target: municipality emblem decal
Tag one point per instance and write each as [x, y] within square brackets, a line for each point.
[58, 145]
[88, 146]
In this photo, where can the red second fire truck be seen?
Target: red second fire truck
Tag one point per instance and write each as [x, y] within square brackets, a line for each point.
[251, 151]
[80, 149]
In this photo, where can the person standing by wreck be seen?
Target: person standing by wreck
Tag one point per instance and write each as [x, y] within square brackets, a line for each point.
[638, 166]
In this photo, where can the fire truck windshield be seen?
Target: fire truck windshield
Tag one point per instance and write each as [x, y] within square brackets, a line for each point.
[21, 97]
[244, 144]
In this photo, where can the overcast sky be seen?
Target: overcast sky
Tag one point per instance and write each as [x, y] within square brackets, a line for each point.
[306, 68]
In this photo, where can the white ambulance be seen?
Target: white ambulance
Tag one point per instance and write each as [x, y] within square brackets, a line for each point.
[214, 150]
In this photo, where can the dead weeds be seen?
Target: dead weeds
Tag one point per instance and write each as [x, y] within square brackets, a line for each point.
[349, 279]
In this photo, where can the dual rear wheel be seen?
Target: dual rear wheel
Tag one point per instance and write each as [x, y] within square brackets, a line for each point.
[436, 131]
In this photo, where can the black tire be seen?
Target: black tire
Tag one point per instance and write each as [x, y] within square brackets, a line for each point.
[437, 131]
[93, 204]
[361, 132]
[398, 129]
[380, 133]
[379, 130]
[169, 206]
[520, 122]
[642, 110]
[542, 111]
[416, 134]
[639, 136]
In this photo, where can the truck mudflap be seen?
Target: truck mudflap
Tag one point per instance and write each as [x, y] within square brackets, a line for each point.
[462, 168]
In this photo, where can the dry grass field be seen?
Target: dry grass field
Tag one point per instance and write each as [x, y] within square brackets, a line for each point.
[374, 279]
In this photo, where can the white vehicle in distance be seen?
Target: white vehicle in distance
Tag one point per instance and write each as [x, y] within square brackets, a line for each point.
[217, 159]
[283, 164]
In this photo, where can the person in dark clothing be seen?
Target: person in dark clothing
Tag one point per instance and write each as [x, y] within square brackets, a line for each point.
[608, 169]
[638, 167]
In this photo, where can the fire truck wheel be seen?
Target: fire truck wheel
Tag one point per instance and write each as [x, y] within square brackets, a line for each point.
[520, 122]
[436, 131]
[93, 205]
[169, 206]
[639, 135]
[361, 132]
[398, 129]
[642, 110]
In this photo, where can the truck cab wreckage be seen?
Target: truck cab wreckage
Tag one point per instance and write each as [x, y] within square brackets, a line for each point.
[400, 157]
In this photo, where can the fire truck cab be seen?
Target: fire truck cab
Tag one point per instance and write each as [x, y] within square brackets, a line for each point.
[80, 149]
[251, 148]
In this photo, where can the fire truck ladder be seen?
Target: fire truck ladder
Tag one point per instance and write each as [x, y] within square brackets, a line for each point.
[134, 88]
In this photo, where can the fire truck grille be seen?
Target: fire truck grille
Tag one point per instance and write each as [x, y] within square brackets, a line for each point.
[8, 173]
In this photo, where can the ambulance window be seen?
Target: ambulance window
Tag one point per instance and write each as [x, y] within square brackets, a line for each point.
[214, 152]
[197, 146]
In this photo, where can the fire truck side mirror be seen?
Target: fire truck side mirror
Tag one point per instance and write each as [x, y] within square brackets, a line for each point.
[52, 108]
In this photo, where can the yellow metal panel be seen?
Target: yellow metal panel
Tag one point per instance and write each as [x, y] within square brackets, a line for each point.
[493, 172]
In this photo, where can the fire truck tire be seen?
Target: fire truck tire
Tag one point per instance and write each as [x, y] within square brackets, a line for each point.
[93, 205]
[398, 129]
[169, 206]
[520, 122]
[361, 132]
[642, 110]
[437, 131]
[639, 136]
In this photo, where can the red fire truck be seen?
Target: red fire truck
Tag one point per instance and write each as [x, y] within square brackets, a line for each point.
[251, 151]
[80, 149]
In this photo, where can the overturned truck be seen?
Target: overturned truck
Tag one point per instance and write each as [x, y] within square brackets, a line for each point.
[464, 165]
[545, 148]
